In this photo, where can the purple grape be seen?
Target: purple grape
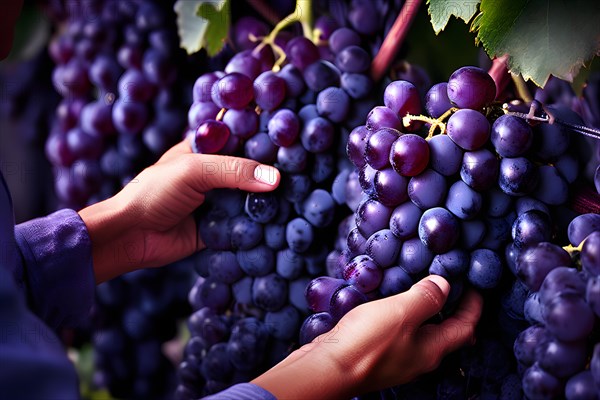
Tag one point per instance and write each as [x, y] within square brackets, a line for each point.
[343, 37]
[402, 97]
[84, 145]
[318, 208]
[539, 384]
[210, 137]
[452, 264]
[536, 261]
[532, 227]
[390, 188]
[241, 123]
[511, 136]
[414, 256]
[372, 216]
[261, 148]
[479, 169]
[404, 221]
[485, 269]
[552, 189]
[581, 226]
[129, 117]
[518, 176]
[292, 159]
[568, 167]
[247, 30]
[469, 129]
[317, 135]
[561, 359]
[383, 247]
[363, 273]
[395, 280]
[134, 86]
[357, 143]
[158, 67]
[315, 325]
[569, 318]
[234, 90]
[320, 75]
[438, 230]
[284, 128]
[344, 299]
[581, 387]
[294, 81]
[358, 86]
[301, 52]
[202, 89]
[382, 117]
[269, 90]
[353, 59]
[378, 147]
[409, 155]
[471, 87]
[437, 101]
[96, 118]
[201, 112]
[319, 291]
[364, 18]
[526, 343]
[463, 201]
[105, 72]
[590, 254]
[244, 63]
[562, 281]
[445, 156]
[427, 189]
[333, 103]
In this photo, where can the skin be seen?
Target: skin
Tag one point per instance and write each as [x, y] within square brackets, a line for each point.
[376, 345]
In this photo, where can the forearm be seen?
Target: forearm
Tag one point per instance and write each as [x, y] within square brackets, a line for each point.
[310, 372]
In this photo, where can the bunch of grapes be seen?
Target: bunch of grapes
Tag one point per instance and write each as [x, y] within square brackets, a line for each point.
[122, 78]
[263, 248]
[470, 204]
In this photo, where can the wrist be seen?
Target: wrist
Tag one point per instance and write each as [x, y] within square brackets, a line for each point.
[324, 376]
[109, 226]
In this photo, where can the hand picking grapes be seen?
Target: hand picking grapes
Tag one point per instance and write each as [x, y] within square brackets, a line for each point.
[250, 205]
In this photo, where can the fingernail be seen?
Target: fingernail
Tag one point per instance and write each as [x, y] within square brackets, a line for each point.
[441, 283]
[265, 174]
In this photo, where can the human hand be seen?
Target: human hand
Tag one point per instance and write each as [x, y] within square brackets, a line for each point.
[377, 345]
[149, 222]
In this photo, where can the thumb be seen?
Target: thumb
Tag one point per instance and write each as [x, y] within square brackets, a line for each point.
[425, 299]
[216, 171]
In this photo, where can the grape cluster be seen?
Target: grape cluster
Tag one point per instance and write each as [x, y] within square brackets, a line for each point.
[471, 205]
[117, 71]
[263, 248]
[558, 355]
[122, 76]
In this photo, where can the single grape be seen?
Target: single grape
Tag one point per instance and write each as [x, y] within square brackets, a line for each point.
[437, 101]
[363, 273]
[402, 97]
[471, 87]
[469, 129]
[404, 221]
[438, 230]
[383, 247]
[463, 201]
[382, 117]
[333, 103]
[427, 189]
[445, 156]
[511, 136]
[485, 269]
[210, 137]
[479, 169]
[409, 155]
[353, 59]
[379, 144]
[390, 188]
[532, 227]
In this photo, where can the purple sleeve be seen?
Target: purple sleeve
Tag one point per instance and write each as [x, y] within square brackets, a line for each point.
[242, 391]
[56, 272]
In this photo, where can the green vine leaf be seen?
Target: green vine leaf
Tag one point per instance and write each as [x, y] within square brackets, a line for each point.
[203, 24]
[541, 37]
[440, 11]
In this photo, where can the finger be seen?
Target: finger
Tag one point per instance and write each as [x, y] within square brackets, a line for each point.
[180, 148]
[425, 299]
[454, 332]
[216, 171]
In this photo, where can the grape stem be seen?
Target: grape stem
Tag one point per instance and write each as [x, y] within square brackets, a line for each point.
[302, 14]
[220, 115]
[572, 249]
[394, 39]
[434, 122]
[264, 10]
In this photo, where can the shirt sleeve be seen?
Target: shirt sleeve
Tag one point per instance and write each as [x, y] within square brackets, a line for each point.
[56, 272]
[242, 391]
